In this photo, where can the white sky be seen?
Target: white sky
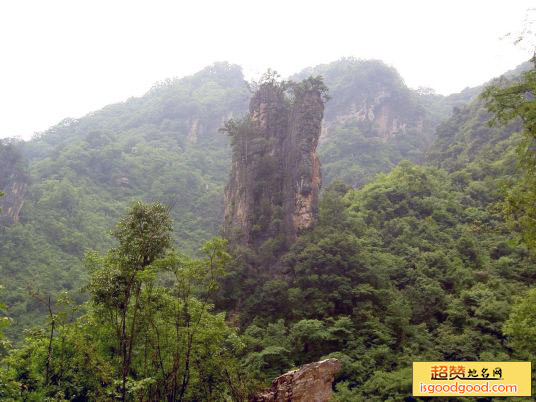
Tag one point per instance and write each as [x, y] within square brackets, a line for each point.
[66, 58]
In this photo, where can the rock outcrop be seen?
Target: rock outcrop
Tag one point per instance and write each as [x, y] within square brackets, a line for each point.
[12, 201]
[13, 181]
[379, 116]
[275, 178]
[372, 101]
[310, 383]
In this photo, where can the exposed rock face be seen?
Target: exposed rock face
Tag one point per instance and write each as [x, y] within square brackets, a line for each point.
[12, 201]
[275, 177]
[195, 129]
[371, 100]
[13, 181]
[381, 115]
[310, 383]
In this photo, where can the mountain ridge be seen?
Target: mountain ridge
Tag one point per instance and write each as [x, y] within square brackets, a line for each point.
[166, 146]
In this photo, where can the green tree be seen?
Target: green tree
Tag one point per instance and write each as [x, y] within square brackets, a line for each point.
[117, 279]
[148, 332]
[521, 325]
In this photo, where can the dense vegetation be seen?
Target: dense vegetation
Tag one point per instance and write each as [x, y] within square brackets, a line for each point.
[421, 262]
[409, 267]
[373, 120]
[148, 321]
[84, 173]
[166, 146]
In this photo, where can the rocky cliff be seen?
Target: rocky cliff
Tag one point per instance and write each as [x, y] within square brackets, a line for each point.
[12, 202]
[13, 181]
[371, 98]
[373, 120]
[273, 190]
[378, 117]
[310, 383]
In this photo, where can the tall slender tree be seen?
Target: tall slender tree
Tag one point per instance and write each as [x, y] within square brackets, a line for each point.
[143, 235]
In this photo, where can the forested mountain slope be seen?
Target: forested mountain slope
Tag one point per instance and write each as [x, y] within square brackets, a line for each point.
[409, 267]
[83, 173]
[407, 262]
[419, 264]
[79, 176]
[372, 121]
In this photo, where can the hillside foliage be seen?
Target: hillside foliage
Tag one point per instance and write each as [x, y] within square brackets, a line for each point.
[424, 247]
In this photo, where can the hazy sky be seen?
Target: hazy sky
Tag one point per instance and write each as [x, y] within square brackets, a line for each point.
[66, 58]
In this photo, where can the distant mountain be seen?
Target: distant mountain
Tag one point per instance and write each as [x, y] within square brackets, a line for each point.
[373, 120]
[418, 264]
[467, 136]
[80, 175]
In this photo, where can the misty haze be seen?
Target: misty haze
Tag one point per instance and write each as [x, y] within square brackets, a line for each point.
[285, 201]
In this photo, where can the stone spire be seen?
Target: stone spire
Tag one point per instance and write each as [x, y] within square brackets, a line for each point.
[275, 178]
